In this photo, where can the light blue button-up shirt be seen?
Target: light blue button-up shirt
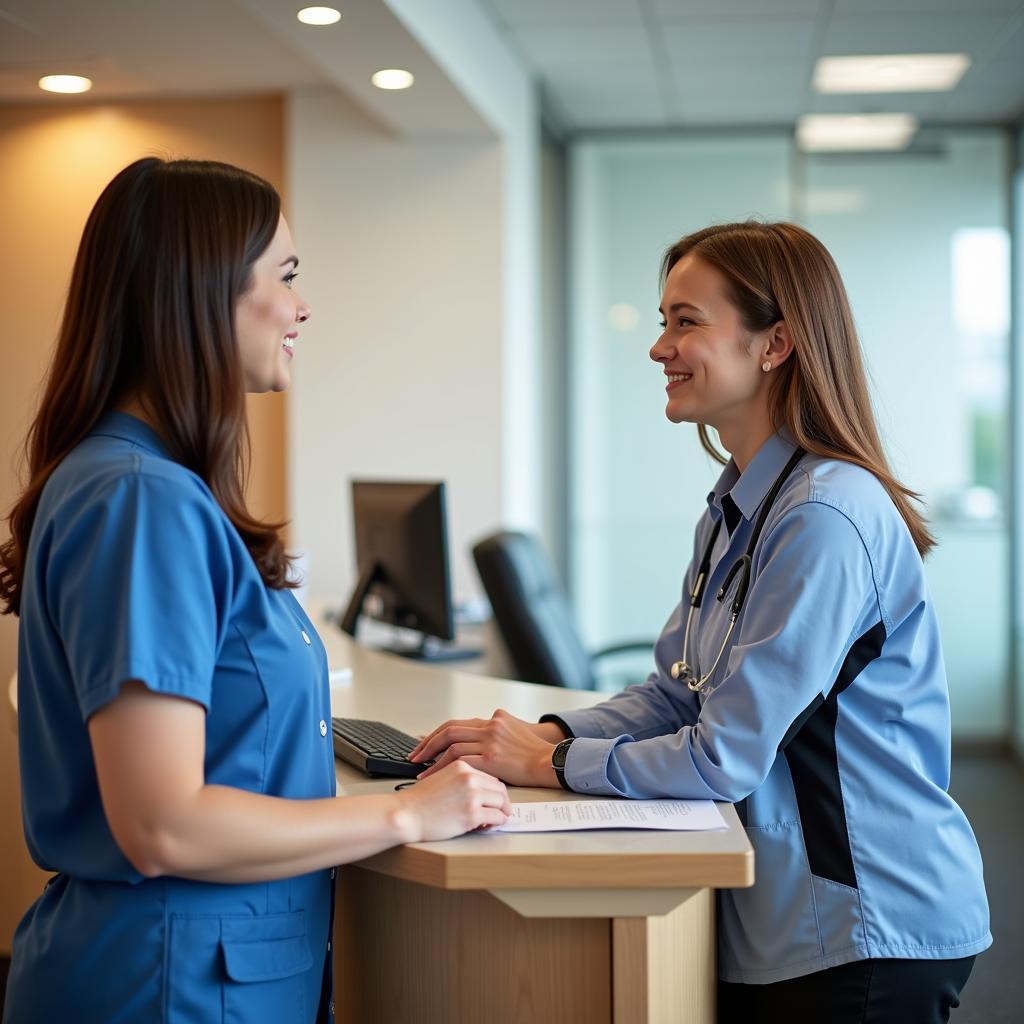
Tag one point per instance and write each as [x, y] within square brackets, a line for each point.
[135, 572]
[826, 722]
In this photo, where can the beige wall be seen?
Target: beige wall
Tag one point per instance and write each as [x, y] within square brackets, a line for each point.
[54, 161]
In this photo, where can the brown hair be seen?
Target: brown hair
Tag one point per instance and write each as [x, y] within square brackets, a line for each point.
[782, 272]
[166, 254]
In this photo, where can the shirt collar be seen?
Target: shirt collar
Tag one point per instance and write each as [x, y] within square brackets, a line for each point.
[130, 428]
[748, 489]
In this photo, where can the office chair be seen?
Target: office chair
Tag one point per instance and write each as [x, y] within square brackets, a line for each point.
[533, 615]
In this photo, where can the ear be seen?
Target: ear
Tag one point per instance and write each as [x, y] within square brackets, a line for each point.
[777, 346]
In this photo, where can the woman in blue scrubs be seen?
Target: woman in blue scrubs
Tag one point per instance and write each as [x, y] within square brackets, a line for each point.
[176, 757]
[801, 676]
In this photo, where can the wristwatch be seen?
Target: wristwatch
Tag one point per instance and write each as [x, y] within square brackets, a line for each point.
[558, 756]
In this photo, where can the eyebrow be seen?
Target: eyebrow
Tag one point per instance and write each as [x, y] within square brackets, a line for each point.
[676, 306]
[290, 259]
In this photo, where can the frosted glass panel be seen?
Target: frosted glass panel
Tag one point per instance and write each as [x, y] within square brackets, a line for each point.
[923, 246]
[638, 483]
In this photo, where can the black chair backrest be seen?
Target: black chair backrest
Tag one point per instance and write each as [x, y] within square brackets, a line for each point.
[531, 611]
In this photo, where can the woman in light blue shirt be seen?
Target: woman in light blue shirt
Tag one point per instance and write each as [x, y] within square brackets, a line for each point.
[822, 712]
[176, 759]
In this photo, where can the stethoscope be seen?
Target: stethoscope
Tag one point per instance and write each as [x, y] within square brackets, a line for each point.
[742, 568]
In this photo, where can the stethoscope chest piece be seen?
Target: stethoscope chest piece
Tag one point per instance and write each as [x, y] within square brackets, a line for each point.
[681, 670]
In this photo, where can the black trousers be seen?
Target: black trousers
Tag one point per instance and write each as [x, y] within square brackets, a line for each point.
[862, 992]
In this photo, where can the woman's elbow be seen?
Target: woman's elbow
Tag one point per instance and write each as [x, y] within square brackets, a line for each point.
[149, 850]
[730, 778]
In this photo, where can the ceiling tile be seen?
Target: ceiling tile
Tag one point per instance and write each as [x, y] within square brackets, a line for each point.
[610, 116]
[1012, 49]
[615, 100]
[570, 83]
[549, 48]
[739, 81]
[982, 107]
[992, 92]
[752, 39]
[973, 34]
[923, 105]
[564, 12]
[937, 8]
[672, 9]
[764, 111]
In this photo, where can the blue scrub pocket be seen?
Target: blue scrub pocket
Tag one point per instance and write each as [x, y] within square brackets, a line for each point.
[231, 970]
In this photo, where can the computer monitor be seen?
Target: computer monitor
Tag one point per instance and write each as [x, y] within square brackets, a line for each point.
[402, 555]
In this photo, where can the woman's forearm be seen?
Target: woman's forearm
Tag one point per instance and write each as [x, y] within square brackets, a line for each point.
[221, 834]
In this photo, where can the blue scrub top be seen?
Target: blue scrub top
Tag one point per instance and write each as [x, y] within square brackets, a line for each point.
[135, 572]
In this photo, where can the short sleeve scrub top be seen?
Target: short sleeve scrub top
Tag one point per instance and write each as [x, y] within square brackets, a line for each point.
[135, 572]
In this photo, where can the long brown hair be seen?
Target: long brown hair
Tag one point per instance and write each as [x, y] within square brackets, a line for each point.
[820, 394]
[166, 253]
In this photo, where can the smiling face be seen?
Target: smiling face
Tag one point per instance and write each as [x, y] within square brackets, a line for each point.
[268, 315]
[712, 363]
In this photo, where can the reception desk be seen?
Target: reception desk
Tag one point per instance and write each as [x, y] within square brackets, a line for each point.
[559, 927]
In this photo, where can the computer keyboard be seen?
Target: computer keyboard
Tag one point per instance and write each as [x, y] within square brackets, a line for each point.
[376, 748]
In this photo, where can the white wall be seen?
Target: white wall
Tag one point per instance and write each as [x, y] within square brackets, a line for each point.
[466, 44]
[399, 372]
[420, 256]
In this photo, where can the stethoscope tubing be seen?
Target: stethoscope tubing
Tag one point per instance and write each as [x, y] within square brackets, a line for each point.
[742, 567]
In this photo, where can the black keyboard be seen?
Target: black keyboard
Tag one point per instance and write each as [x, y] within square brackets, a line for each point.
[376, 748]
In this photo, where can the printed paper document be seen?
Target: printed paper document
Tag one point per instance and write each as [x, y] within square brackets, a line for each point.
[571, 815]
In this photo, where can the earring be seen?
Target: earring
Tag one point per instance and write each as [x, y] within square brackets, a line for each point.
[766, 366]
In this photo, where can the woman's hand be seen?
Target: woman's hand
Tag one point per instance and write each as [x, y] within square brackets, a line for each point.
[504, 746]
[457, 799]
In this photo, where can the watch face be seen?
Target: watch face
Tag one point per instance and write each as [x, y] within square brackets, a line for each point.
[559, 754]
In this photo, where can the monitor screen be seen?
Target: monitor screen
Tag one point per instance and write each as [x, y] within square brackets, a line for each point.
[402, 555]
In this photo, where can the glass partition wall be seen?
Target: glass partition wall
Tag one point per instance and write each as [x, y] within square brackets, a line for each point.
[921, 238]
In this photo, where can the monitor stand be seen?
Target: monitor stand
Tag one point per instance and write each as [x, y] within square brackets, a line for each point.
[431, 649]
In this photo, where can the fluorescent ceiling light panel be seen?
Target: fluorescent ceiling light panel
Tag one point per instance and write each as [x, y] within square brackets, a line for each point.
[65, 83]
[392, 78]
[897, 72]
[319, 16]
[817, 132]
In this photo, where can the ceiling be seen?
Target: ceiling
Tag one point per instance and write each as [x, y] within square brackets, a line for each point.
[602, 64]
[658, 63]
[146, 49]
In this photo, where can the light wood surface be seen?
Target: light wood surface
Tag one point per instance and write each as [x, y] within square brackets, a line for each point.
[663, 968]
[408, 952]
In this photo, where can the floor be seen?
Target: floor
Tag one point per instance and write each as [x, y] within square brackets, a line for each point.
[991, 790]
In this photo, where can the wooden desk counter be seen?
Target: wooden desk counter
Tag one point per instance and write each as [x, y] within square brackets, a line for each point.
[560, 927]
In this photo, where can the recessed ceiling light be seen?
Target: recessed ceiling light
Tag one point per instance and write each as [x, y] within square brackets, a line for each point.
[319, 16]
[816, 132]
[908, 72]
[392, 78]
[65, 83]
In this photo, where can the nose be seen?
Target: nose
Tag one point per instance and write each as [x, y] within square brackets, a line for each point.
[661, 350]
[303, 314]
